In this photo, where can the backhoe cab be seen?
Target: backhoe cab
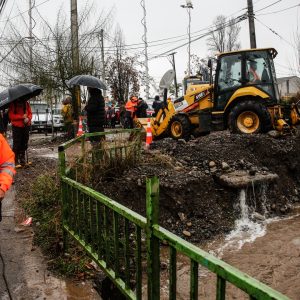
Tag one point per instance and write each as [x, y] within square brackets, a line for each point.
[243, 98]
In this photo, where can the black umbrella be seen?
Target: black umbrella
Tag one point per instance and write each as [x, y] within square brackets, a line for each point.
[24, 91]
[87, 80]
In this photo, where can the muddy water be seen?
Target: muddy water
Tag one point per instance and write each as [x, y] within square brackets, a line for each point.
[269, 251]
[80, 291]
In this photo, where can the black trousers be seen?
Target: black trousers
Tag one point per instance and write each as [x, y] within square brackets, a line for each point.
[96, 129]
[20, 141]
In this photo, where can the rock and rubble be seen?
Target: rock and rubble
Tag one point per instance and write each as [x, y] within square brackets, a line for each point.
[191, 186]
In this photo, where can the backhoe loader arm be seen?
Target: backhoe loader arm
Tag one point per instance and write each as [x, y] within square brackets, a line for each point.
[295, 114]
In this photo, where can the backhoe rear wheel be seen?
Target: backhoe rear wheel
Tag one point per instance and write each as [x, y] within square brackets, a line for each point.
[249, 117]
[180, 127]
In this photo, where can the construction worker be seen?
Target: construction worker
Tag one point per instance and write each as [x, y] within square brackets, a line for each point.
[142, 108]
[131, 108]
[7, 168]
[20, 116]
[253, 76]
[156, 105]
[67, 114]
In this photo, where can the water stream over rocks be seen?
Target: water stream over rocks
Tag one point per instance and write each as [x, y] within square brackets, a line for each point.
[265, 248]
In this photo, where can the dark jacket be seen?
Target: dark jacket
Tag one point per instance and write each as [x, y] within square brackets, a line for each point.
[95, 109]
[142, 109]
[157, 105]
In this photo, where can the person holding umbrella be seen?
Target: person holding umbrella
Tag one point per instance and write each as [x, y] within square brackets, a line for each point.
[20, 116]
[95, 109]
[19, 112]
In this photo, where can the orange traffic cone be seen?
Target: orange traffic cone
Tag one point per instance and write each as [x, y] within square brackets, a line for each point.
[80, 127]
[148, 134]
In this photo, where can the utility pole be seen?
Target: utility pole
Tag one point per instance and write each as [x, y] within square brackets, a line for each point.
[75, 57]
[30, 38]
[251, 25]
[175, 77]
[146, 49]
[189, 6]
[102, 59]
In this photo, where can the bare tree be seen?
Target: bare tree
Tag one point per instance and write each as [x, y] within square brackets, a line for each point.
[52, 60]
[224, 35]
[199, 67]
[123, 75]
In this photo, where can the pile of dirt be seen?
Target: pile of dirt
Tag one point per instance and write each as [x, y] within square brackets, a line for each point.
[193, 202]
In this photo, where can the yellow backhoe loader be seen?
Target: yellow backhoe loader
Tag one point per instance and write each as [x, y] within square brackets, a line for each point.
[244, 98]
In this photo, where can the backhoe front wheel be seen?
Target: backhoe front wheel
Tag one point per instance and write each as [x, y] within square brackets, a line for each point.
[249, 117]
[180, 127]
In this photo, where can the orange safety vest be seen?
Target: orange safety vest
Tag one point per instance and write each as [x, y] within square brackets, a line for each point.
[131, 106]
[7, 164]
[254, 74]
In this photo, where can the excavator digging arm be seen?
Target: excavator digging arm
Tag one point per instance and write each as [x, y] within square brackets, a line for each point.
[295, 114]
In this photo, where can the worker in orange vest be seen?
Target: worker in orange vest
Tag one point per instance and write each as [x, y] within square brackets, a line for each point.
[253, 76]
[20, 116]
[7, 168]
[131, 108]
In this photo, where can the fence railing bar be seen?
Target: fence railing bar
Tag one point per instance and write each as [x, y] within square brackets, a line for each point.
[86, 218]
[98, 229]
[92, 224]
[153, 250]
[78, 220]
[221, 288]
[138, 262]
[127, 253]
[172, 273]
[194, 280]
[106, 234]
[116, 243]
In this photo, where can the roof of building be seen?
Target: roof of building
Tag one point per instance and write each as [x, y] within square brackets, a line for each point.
[283, 79]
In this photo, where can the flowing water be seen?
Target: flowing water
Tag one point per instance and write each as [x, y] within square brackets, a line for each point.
[268, 250]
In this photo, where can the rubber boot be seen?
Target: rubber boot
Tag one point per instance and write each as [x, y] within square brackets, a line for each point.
[22, 159]
[17, 161]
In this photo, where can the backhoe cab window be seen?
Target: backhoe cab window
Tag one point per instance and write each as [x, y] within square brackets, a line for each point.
[257, 68]
[258, 71]
[230, 72]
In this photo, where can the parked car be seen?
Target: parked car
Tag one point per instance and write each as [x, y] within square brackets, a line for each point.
[42, 117]
[58, 121]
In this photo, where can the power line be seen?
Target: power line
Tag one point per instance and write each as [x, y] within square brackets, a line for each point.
[237, 20]
[279, 11]
[24, 12]
[269, 5]
[273, 31]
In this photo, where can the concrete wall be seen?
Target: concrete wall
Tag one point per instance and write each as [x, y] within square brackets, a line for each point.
[289, 86]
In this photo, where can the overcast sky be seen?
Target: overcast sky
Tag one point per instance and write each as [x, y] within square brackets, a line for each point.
[165, 19]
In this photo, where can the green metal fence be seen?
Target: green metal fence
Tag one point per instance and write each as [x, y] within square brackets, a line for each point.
[127, 245]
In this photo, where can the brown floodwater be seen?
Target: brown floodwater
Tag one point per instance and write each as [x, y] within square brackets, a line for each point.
[271, 254]
[80, 291]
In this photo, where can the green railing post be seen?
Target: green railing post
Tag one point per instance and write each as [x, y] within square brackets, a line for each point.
[153, 260]
[83, 151]
[62, 172]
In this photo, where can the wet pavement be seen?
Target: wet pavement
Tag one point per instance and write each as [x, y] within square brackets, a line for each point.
[23, 270]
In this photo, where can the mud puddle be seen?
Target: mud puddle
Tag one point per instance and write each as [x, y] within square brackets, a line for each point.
[268, 250]
[80, 291]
